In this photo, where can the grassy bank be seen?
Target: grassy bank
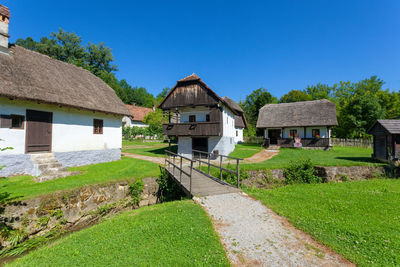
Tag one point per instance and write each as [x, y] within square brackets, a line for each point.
[360, 220]
[26, 187]
[170, 234]
[338, 156]
[245, 150]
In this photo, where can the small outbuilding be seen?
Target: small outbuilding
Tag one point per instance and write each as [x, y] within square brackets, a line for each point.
[386, 140]
[136, 119]
[304, 124]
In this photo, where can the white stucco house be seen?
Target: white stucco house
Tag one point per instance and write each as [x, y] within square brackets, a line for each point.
[53, 114]
[136, 117]
[200, 119]
[306, 124]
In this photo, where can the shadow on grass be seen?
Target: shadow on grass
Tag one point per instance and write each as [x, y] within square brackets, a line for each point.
[359, 159]
[161, 151]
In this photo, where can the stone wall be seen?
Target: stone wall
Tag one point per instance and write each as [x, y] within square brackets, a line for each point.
[264, 178]
[87, 157]
[74, 209]
[18, 164]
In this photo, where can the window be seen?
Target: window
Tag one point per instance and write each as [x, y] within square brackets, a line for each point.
[192, 118]
[97, 126]
[315, 133]
[207, 117]
[292, 133]
[17, 121]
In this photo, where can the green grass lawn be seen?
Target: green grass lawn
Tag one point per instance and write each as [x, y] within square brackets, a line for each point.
[152, 151]
[170, 234]
[245, 150]
[25, 187]
[141, 142]
[360, 220]
[338, 156]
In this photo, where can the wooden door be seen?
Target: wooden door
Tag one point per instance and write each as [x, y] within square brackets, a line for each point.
[38, 131]
[200, 144]
[273, 136]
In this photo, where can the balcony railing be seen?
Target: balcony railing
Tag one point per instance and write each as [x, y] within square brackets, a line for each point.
[193, 129]
[305, 142]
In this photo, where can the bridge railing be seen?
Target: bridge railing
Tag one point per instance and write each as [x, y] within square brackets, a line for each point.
[170, 160]
[207, 160]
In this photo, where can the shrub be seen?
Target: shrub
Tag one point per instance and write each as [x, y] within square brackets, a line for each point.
[168, 190]
[301, 171]
[231, 177]
[135, 190]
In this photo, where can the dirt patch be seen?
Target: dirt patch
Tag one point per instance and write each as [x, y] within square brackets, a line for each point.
[261, 156]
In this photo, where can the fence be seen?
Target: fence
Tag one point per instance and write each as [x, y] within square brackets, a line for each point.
[362, 142]
[258, 140]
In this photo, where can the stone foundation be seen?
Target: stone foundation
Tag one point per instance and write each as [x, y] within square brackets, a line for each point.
[87, 157]
[264, 178]
[74, 209]
[20, 164]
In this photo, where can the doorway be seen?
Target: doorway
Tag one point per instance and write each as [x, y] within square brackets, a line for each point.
[274, 135]
[38, 131]
[200, 144]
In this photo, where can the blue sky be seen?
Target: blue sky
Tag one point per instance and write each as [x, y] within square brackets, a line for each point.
[234, 46]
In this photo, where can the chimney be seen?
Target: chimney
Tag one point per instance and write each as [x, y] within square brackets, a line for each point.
[4, 21]
[134, 105]
[154, 108]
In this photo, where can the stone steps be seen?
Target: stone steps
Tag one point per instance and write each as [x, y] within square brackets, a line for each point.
[49, 167]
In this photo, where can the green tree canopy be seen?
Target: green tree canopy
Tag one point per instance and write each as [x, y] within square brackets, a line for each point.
[254, 102]
[295, 96]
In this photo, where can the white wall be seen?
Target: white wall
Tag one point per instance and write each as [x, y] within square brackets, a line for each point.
[72, 129]
[228, 120]
[239, 137]
[200, 113]
[130, 123]
[185, 146]
[323, 131]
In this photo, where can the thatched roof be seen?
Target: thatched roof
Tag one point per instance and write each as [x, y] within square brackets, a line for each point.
[232, 105]
[240, 122]
[306, 113]
[4, 11]
[391, 126]
[28, 75]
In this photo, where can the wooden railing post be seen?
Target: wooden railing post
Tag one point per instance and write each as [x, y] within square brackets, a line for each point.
[180, 176]
[220, 167]
[237, 173]
[208, 164]
[174, 165]
[191, 170]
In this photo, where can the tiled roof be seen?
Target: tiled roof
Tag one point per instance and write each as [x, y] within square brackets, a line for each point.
[138, 113]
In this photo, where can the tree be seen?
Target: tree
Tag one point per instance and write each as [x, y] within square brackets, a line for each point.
[99, 58]
[155, 121]
[163, 94]
[254, 102]
[320, 91]
[294, 96]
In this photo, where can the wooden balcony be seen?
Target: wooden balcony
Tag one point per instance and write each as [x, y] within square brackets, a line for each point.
[193, 129]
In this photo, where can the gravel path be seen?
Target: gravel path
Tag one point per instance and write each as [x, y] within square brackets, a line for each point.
[253, 235]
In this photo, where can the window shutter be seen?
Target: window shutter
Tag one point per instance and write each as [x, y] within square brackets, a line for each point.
[5, 121]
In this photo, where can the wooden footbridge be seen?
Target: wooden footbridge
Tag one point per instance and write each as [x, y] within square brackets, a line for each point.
[196, 180]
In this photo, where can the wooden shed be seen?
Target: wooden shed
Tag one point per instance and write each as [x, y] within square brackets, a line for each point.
[386, 140]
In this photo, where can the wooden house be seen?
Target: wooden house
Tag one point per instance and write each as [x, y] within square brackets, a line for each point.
[53, 114]
[386, 140]
[200, 119]
[304, 124]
